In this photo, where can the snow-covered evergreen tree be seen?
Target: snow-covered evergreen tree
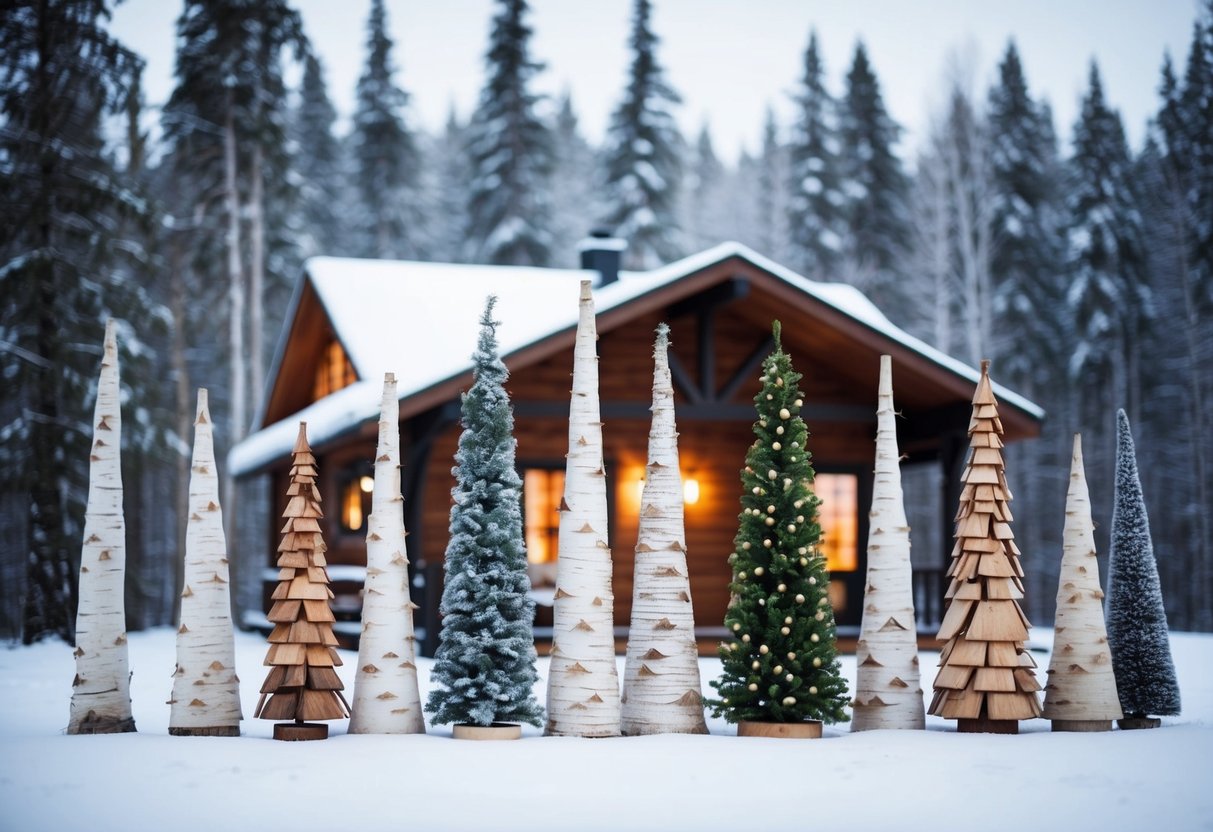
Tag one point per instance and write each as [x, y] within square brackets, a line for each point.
[705, 214]
[576, 190]
[643, 156]
[510, 147]
[449, 176]
[874, 189]
[384, 154]
[770, 196]
[1137, 619]
[318, 159]
[815, 221]
[484, 670]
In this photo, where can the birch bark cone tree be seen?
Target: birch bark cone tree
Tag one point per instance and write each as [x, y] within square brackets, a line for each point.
[206, 691]
[583, 682]
[386, 696]
[888, 689]
[1081, 691]
[101, 696]
[661, 686]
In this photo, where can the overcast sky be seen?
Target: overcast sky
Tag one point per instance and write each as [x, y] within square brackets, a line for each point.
[730, 59]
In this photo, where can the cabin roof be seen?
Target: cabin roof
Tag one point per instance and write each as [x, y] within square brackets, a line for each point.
[420, 321]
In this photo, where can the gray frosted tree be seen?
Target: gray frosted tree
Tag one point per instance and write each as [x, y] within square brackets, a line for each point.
[576, 192]
[1137, 619]
[643, 157]
[484, 669]
[706, 217]
[510, 148]
[318, 158]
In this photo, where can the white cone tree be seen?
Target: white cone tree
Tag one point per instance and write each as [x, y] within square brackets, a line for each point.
[888, 688]
[661, 686]
[206, 691]
[1081, 691]
[583, 682]
[386, 696]
[101, 696]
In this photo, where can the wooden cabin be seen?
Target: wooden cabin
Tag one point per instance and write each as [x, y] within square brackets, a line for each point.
[353, 320]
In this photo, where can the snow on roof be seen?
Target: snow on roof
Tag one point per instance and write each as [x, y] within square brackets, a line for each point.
[421, 321]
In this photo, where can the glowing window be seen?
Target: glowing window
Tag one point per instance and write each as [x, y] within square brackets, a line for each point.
[838, 515]
[356, 488]
[542, 490]
[333, 372]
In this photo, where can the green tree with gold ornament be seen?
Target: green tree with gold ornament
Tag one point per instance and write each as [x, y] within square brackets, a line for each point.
[780, 660]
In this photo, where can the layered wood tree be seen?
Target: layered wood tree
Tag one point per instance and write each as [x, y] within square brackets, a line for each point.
[888, 691]
[661, 687]
[986, 678]
[583, 682]
[302, 684]
[781, 661]
[1137, 619]
[206, 691]
[386, 697]
[484, 671]
[101, 696]
[1081, 691]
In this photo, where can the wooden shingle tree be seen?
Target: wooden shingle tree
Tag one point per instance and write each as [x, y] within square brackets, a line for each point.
[985, 678]
[302, 684]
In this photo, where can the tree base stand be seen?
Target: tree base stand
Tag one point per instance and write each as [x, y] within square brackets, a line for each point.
[808, 730]
[1132, 723]
[496, 731]
[300, 731]
[216, 731]
[1082, 725]
[985, 725]
[93, 724]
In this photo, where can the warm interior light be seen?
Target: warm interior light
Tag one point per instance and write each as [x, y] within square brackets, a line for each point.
[639, 488]
[367, 484]
[690, 491]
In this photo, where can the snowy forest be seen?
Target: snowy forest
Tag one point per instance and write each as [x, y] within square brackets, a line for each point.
[1082, 266]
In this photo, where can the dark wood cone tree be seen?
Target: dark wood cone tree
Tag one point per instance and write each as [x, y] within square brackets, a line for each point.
[302, 684]
[986, 678]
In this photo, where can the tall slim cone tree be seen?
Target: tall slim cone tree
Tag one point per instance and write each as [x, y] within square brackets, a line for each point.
[206, 691]
[386, 697]
[661, 687]
[302, 684]
[484, 671]
[985, 678]
[583, 682]
[101, 696]
[888, 690]
[1137, 619]
[1081, 692]
[781, 662]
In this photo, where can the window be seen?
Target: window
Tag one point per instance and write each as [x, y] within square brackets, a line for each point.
[542, 490]
[333, 371]
[356, 484]
[838, 515]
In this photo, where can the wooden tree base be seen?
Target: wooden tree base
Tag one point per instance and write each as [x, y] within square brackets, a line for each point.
[808, 730]
[95, 725]
[1133, 723]
[496, 731]
[984, 725]
[217, 731]
[299, 731]
[1082, 725]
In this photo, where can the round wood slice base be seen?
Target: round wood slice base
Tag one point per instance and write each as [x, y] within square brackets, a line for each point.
[496, 731]
[808, 730]
[299, 731]
[217, 731]
[1133, 723]
[987, 726]
[96, 725]
[1082, 725]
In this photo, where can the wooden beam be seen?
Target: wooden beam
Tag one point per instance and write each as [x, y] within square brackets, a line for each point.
[747, 369]
[707, 352]
[701, 412]
[734, 288]
[683, 381]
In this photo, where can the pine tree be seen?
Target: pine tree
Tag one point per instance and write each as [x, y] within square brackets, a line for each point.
[704, 215]
[814, 211]
[510, 149]
[384, 154]
[576, 196]
[318, 158]
[484, 670]
[68, 212]
[781, 662]
[771, 198]
[1137, 619]
[451, 176]
[644, 149]
[874, 188]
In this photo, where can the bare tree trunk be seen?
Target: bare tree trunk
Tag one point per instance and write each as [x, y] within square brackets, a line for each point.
[237, 366]
[256, 211]
[181, 396]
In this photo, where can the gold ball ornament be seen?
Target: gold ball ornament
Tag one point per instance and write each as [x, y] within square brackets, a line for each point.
[789, 700]
[785, 631]
[752, 687]
[767, 543]
[763, 649]
[816, 662]
[812, 581]
[788, 620]
[783, 588]
[736, 626]
[770, 521]
[758, 570]
[821, 616]
[784, 413]
[813, 689]
[791, 527]
[746, 545]
[741, 576]
[746, 638]
[777, 669]
[791, 657]
[799, 402]
[772, 474]
[799, 598]
[779, 430]
[789, 677]
[804, 561]
[814, 638]
[775, 446]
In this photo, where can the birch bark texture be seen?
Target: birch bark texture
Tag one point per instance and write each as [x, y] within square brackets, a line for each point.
[101, 697]
[386, 696]
[1081, 691]
[583, 682]
[206, 692]
[662, 693]
[888, 686]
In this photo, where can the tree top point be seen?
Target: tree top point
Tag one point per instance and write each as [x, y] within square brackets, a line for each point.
[776, 330]
[585, 291]
[301, 446]
[203, 405]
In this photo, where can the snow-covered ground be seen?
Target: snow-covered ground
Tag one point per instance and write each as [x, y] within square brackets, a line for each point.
[885, 780]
